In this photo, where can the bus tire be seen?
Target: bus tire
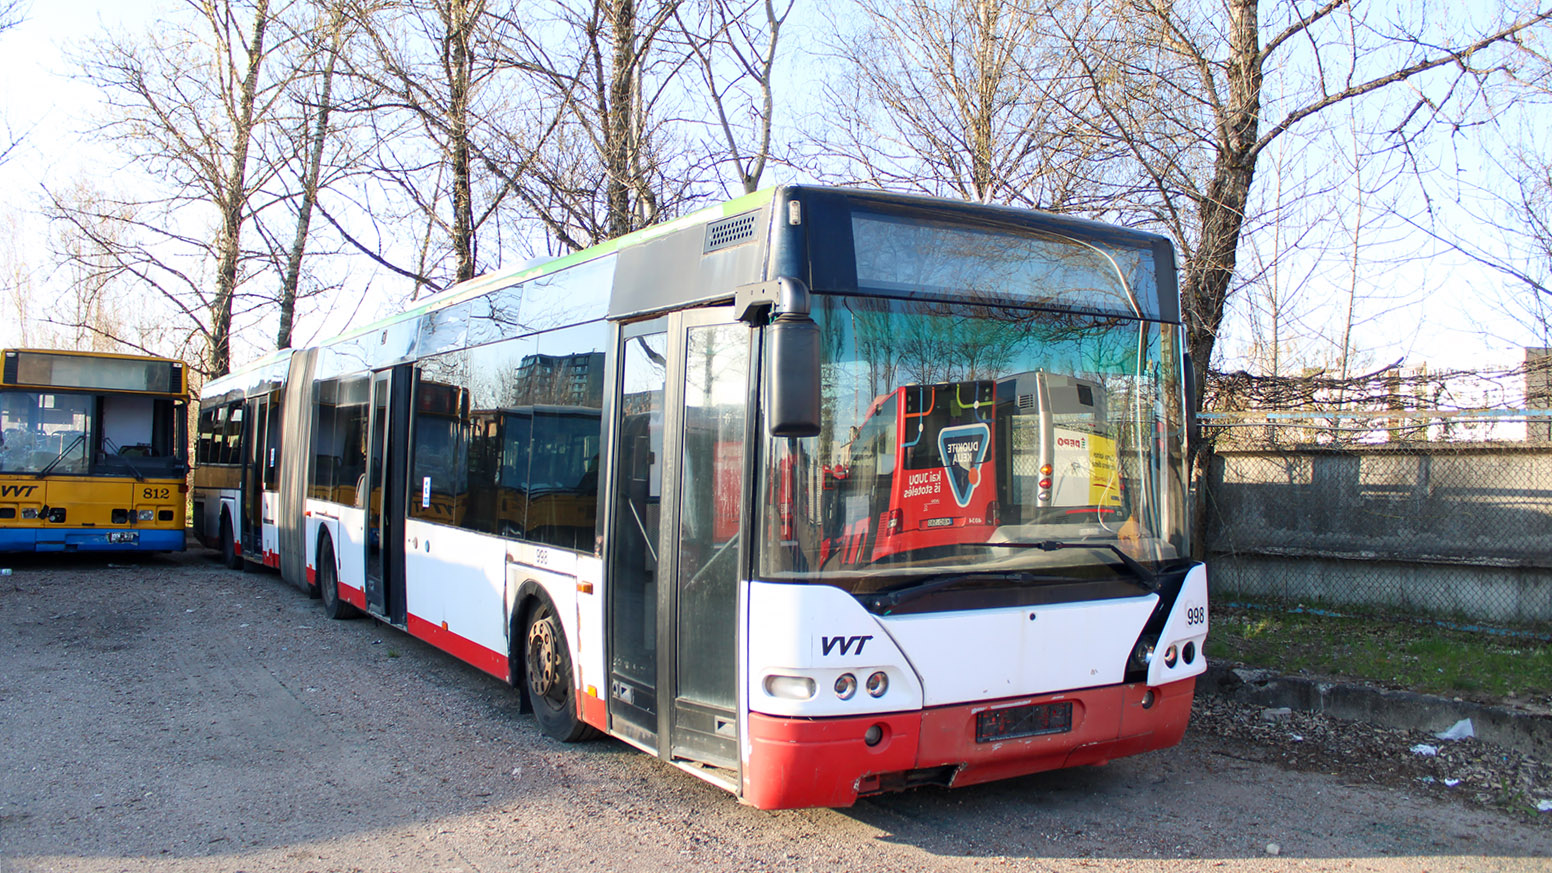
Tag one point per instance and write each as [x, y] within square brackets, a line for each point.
[231, 558]
[547, 668]
[328, 583]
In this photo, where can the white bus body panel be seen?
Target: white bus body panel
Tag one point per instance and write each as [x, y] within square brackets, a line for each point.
[454, 580]
[988, 654]
[212, 501]
[555, 571]
[1187, 623]
[588, 643]
[269, 529]
[350, 541]
[940, 659]
[820, 632]
[346, 526]
[228, 505]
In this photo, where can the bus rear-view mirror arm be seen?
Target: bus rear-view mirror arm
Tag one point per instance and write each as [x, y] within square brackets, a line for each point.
[792, 391]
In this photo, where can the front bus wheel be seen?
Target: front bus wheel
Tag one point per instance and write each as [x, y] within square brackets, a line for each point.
[328, 583]
[548, 668]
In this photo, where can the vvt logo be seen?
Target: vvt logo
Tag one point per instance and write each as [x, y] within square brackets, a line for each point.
[826, 644]
[17, 490]
[963, 448]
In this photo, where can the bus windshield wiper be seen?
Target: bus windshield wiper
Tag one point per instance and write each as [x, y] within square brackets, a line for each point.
[60, 457]
[882, 602]
[115, 451]
[1145, 577]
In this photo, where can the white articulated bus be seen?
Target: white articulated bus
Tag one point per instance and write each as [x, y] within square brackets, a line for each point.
[641, 483]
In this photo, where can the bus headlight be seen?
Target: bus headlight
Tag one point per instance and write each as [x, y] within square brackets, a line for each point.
[845, 686]
[1142, 655]
[29, 512]
[790, 687]
[878, 683]
[146, 514]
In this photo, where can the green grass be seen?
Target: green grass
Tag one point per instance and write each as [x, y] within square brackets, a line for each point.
[1396, 654]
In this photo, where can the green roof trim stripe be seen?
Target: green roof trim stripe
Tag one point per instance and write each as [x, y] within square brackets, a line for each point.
[491, 281]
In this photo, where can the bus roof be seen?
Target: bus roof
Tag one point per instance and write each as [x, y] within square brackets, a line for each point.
[636, 286]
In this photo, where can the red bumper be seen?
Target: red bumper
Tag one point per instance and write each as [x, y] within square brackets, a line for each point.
[798, 762]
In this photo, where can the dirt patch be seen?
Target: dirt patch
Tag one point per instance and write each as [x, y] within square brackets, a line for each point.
[166, 714]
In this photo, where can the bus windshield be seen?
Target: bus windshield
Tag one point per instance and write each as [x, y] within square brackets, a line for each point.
[958, 437]
[69, 433]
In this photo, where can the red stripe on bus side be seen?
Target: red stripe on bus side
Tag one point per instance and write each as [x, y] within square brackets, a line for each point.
[594, 711]
[491, 662]
[354, 596]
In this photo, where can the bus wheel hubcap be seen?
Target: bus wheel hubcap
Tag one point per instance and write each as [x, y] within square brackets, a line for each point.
[543, 658]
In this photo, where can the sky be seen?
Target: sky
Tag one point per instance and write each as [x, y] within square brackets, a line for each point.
[37, 92]
[1444, 322]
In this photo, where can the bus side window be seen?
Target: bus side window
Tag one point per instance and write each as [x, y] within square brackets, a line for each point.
[205, 428]
[231, 443]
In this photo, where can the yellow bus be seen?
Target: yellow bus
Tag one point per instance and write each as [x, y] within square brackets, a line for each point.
[93, 452]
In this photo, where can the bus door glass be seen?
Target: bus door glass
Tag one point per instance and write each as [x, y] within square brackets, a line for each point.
[377, 435]
[634, 541]
[257, 418]
[676, 520]
[387, 462]
[706, 553]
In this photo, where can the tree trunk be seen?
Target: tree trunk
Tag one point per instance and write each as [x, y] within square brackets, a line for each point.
[1207, 275]
[320, 135]
[1205, 285]
[617, 125]
[458, 61]
[232, 202]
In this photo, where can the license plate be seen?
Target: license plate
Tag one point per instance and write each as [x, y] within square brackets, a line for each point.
[1031, 720]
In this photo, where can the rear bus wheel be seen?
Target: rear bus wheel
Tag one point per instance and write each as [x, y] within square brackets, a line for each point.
[547, 664]
[231, 556]
[328, 583]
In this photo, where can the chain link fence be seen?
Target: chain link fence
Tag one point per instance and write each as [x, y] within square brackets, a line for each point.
[1459, 531]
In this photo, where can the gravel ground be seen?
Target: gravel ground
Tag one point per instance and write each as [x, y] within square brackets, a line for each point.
[1467, 771]
[165, 714]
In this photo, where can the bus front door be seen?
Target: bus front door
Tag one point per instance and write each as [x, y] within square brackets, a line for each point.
[256, 420]
[712, 413]
[674, 540]
[387, 461]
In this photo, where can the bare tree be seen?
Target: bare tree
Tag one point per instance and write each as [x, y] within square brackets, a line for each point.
[1148, 111]
[232, 199]
[411, 84]
[1215, 58]
[18, 281]
[735, 44]
[189, 99]
[1509, 213]
[449, 114]
[90, 313]
[325, 37]
[11, 15]
[1211, 67]
[614, 164]
[963, 98]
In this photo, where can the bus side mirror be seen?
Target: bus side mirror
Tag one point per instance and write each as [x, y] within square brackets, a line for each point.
[792, 391]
